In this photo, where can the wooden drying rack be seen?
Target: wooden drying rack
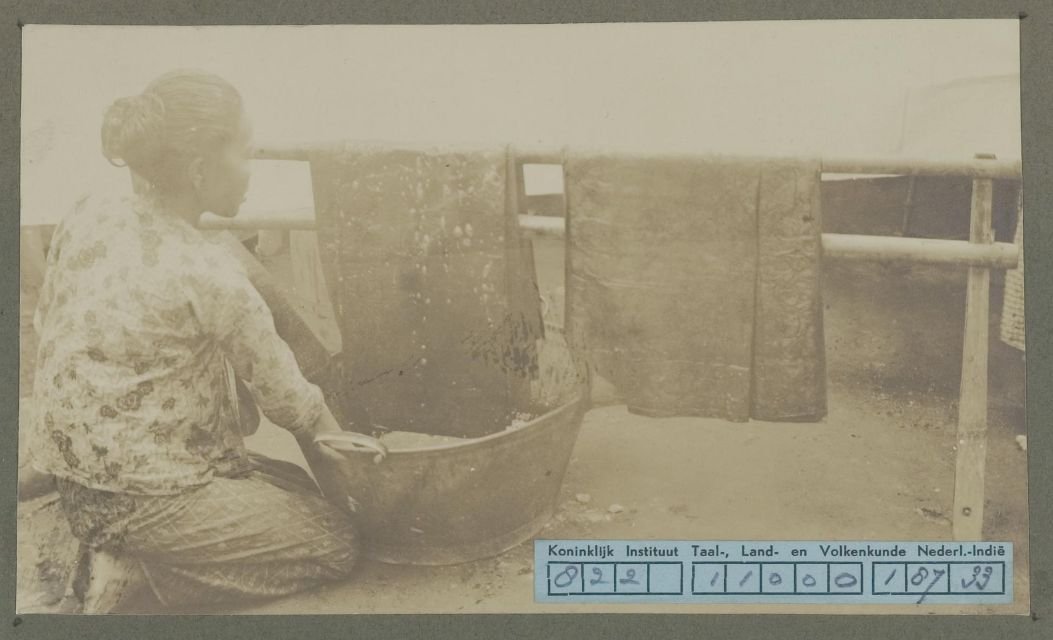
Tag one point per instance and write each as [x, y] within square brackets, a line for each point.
[979, 255]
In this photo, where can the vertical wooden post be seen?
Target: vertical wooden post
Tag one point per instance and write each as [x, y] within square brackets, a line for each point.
[307, 271]
[309, 283]
[569, 328]
[971, 459]
[520, 271]
[908, 207]
[270, 242]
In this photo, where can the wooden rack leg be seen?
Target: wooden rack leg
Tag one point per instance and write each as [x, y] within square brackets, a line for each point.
[270, 242]
[307, 271]
[971, 457]
[308, 279]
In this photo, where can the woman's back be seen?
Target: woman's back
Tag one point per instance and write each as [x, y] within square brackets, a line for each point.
[129, 376]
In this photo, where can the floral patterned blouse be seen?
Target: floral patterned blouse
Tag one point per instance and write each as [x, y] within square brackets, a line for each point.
[138, 317]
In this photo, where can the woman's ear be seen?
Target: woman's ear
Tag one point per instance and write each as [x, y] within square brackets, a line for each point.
[139, 183]
[196, 173]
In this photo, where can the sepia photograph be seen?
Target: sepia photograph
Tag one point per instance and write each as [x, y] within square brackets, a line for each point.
[484, 318]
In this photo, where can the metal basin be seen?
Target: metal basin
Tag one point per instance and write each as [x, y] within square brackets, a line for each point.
[476, 498]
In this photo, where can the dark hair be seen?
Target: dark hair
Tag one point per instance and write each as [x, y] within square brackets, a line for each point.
[181, 115]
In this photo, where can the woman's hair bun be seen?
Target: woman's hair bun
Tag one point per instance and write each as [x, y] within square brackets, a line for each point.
[182, 115]
[133, 131]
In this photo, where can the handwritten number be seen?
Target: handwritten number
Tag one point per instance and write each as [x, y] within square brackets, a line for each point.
[808, 580]
[596, 571]
[890, 576]
[630, 577]
[937, 574]
[716, 576]
[988, 570]
[568, 576]
[845, 580]
[919, 576]
[775, 579]
[742, 582]
[981, 577]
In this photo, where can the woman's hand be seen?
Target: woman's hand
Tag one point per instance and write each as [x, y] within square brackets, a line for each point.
[326, 423]
[326, 462]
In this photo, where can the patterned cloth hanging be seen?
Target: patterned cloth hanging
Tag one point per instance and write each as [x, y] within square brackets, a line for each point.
[694, 283]
[432, 285]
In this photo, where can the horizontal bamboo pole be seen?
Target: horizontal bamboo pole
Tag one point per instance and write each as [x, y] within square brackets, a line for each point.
[995, 169]
[998, 255]
[543, 225]
[1001, 255]
[288, 151]
[301, 219]
[973, 168]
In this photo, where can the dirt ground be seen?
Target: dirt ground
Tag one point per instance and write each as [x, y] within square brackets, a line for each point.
[881, 467]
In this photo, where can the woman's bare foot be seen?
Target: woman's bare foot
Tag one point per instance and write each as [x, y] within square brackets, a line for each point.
[112, 582]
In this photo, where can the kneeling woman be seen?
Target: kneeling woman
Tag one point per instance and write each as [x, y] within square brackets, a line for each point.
[139, 316]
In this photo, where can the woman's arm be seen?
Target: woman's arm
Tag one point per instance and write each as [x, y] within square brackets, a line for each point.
[234, 314]
[243, 328]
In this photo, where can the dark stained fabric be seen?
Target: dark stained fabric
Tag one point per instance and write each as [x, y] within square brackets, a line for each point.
[429, 278]
[694, 283]
[789, 361]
